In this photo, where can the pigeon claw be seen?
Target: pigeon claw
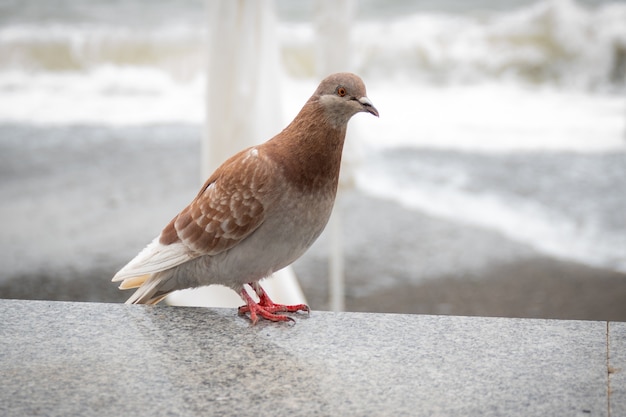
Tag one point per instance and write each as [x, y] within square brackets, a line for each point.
[256, 310]
[266, 308]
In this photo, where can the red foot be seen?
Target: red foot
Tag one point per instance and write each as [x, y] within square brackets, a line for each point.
[266, 308]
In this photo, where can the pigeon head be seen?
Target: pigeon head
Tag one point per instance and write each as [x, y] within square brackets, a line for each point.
[342, 95]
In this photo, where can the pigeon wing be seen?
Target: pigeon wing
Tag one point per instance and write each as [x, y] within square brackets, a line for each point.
[229, 207]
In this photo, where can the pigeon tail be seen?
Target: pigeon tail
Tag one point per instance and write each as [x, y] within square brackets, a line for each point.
[149, 288]
[150, 270]
[155, 257]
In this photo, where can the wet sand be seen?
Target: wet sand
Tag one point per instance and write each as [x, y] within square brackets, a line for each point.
[537, 288]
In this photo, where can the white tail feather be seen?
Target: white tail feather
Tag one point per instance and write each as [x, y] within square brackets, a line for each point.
[145, 293]
[155, 257]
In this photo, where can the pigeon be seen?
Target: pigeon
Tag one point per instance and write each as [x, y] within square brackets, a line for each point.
[258, 212]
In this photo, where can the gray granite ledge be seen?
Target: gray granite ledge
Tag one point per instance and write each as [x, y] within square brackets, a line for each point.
[87, 359]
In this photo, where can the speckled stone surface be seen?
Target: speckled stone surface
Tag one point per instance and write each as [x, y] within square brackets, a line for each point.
[84, 359]
[617, 368]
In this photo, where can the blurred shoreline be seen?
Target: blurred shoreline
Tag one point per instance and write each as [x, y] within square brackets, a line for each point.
[527, 287]
[455, 269]
[83, 201]
[542, 287]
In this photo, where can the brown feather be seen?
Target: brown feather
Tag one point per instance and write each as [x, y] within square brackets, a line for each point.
[228, 207]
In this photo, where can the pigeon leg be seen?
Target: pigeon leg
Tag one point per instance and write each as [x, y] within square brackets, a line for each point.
[269, 305]
[266, 308]
[256, 309]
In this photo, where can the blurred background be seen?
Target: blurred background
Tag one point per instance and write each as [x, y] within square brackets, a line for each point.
[494, 182]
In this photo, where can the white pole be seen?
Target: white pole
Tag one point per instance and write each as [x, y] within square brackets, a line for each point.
[243, 79]
[333, 20]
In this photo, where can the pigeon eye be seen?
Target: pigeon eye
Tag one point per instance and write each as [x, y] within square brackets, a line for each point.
[341, 91]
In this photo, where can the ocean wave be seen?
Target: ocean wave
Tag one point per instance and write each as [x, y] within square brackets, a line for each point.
[80, 48]
[494, 117]
[552, 42]
[109, 95]
[531, 206]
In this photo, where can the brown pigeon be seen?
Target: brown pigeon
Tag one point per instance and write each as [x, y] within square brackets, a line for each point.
[258, 212]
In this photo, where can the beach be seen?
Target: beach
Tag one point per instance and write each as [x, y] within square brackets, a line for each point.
[493, 183]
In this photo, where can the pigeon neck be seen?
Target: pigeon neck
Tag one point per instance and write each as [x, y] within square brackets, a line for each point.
[309, 149]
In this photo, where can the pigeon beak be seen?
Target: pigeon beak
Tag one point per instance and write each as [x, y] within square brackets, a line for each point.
[368, 106]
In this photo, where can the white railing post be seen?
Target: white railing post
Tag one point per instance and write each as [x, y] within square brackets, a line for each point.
[333, 20]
